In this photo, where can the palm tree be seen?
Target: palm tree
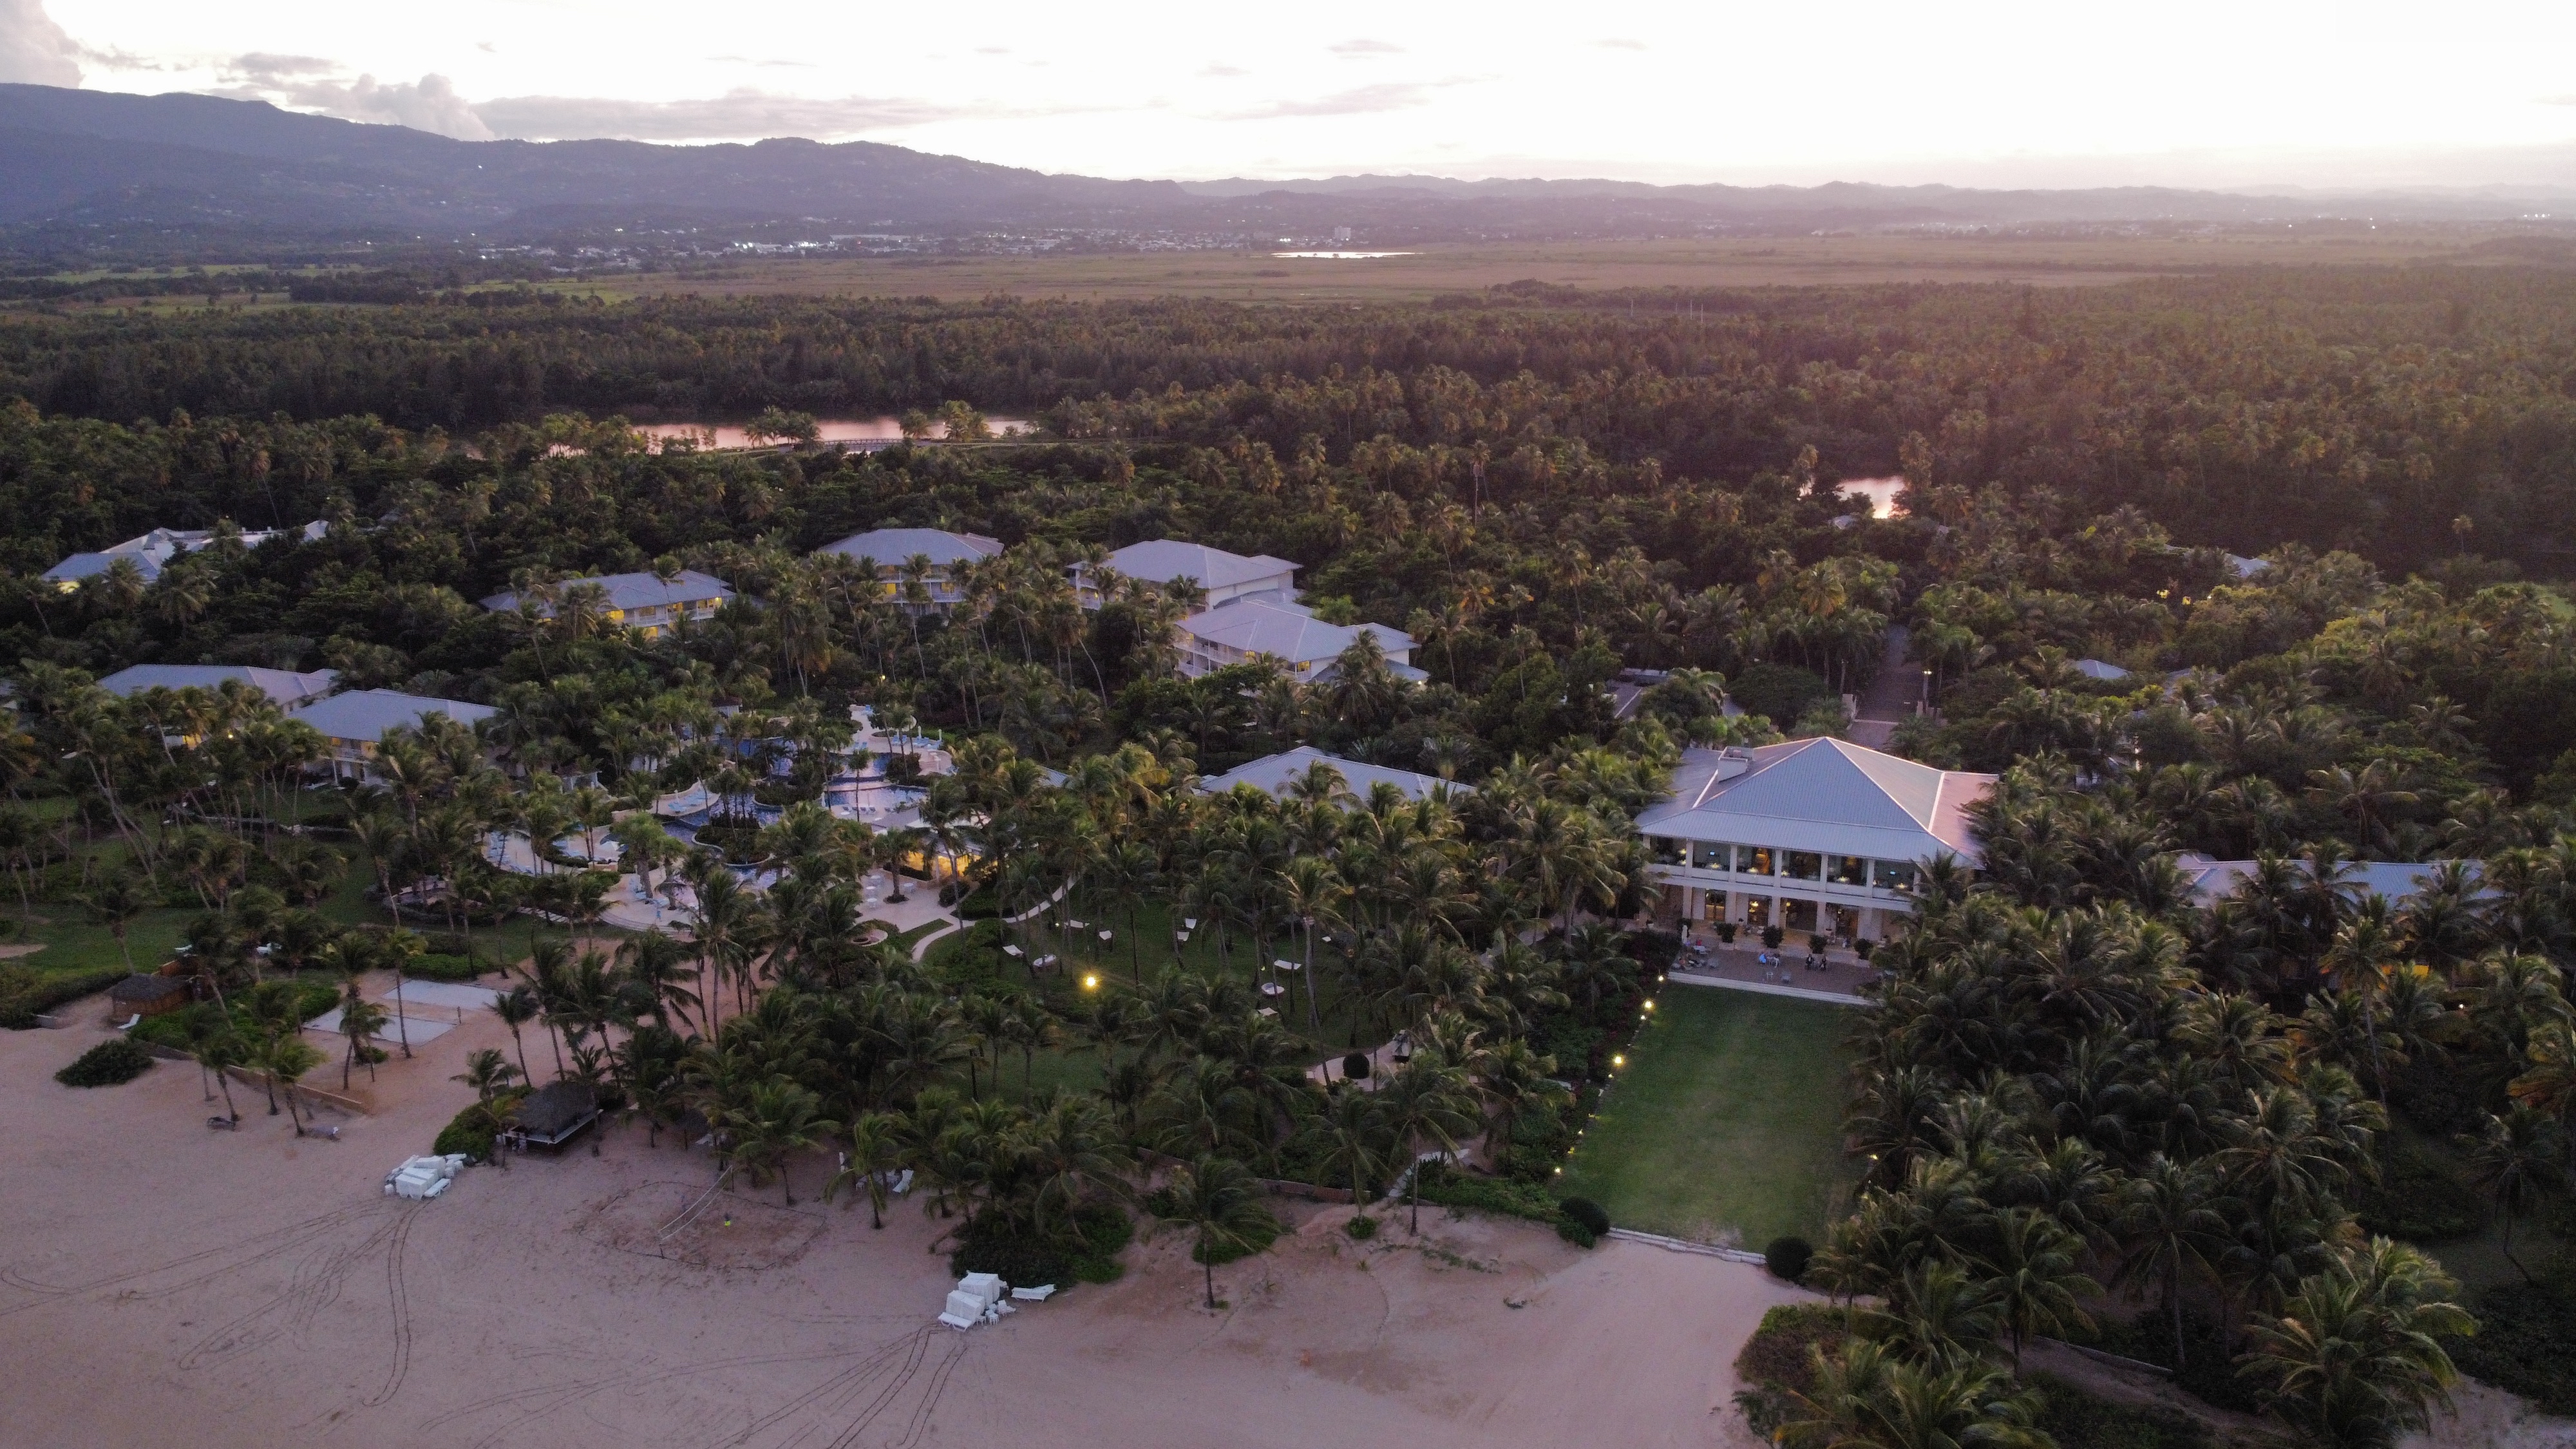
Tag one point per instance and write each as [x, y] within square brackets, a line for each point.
[1870, 1398]
[2171, 1215]
[1349, 1139]
[2516, 1160]
[876, 1150]
[286, 1057]
[2354, 1359]
[780, 1118]
[517, 1007]
[488, 1073]
[359, 1020]
[2034, 1279]
[217, 1050]
[1220, 1203]
[1426, 1098]
[115, 901]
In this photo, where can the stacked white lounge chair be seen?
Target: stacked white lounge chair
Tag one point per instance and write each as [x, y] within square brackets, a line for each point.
[984, 1298]
[421, 1178]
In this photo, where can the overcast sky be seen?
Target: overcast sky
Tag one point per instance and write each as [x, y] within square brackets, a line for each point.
[1982, 92]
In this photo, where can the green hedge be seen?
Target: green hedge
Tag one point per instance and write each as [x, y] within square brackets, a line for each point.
[2073, 1417]
[469, 1132]
[1450, 1188]
[106, 1065]
[19, 1009]
[441, 967]
[1084, 1250]
[2526, 1343]
[2208, 1372]
[981, 904]
[2419, 1197]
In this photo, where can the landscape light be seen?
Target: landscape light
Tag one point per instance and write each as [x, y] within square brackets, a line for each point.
[1090, 981]
[1650, 1003]
[1618, 1061]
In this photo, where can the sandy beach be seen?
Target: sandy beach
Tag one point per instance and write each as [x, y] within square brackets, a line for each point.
[261, 1290]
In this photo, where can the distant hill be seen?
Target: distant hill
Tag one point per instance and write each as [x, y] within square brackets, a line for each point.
[77, 167]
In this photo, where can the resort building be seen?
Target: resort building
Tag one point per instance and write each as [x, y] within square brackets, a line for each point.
[1245, 629]
[289, 689]
[1815, 835]
[354, 724]
[892, 550]
[153, 551]
[639, 601]
[1225, 576]
[2399, 880]
[1281, 775]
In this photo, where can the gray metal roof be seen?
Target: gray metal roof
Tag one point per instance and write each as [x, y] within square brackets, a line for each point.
[1273, 774]
[1164, 559]
[151, 550]
[1290, 631]
[1824, 795]
[367, 714]
[2398, 880]
[635, 591]
[287, 687]
[891, 548]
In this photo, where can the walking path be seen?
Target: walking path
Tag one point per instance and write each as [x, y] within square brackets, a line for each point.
[1891, 695]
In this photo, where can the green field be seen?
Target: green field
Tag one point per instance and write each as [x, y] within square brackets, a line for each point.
[1726, 1120]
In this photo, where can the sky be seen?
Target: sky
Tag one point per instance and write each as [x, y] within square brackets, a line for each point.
[2232, 93]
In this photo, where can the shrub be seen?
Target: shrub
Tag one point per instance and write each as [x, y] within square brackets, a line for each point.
[19, 1006]
[1592, 1215]
[1726, 932]
[1863, 947]
[980, 904]
[469, 1132]
[441, 967]
[2526, 1343]
[1781, 693]
[2073, 1417]
[1082, 1250]
[2208, 1372]
[1787, 1258]
[1773, 1362]
[1772, 936]
[106, 1065]
[1355, 1067]
[1361, 1227]
[2419, 1198]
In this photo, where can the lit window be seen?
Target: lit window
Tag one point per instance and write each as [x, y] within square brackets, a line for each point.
[1894, 875]
[1803, 865]
[1850, 870]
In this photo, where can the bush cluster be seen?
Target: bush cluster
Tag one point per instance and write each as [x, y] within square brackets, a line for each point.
[2073, 1417]
[1084, 1249]
[469, 1132]
[2419, 1197]
[1578, 1220]
[1787, 1258]
[106, 1065]
[32, 994]
[2525, 1343]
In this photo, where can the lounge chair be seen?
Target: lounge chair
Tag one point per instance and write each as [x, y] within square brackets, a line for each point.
[130, 1022]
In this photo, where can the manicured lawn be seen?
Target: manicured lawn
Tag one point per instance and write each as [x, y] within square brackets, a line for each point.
[1726, 1120]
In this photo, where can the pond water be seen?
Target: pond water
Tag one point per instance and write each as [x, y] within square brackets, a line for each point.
[1342, 256]
[859, 432]
[1881, 493]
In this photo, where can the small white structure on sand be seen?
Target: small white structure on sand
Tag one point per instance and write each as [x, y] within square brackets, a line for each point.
[422, 1178]
[978, 1298]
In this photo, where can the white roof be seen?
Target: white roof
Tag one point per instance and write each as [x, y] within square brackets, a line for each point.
[1273, 774]
[368, 713]
[893, 547]
[1164, 559]
[635, 591]
[1290, 631]
[2398, 880]
[285, 686]
[2099, 669]
[1824, 795]
[151, 550]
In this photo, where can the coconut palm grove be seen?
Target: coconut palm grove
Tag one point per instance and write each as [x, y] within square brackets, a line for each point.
[2233, 1038]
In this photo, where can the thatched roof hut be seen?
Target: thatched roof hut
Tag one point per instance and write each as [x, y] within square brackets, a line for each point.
[553, 1113]
[147, 995]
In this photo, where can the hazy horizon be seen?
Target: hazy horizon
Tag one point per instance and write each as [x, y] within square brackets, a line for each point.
[2235, 97]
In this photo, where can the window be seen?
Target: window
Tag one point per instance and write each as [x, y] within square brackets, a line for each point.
[1850, 870]
[1804, 865]
[1665, 849]
[1757, 860]
[1894, 875]
[1712, 857]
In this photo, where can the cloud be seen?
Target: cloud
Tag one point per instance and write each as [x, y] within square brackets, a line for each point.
[2566, 100]
[259, 68]
[1358, 49]
[33, 49]
[736, 115]
[314, 83]
[1222, 72]
[1617, 44]
[1366, 100]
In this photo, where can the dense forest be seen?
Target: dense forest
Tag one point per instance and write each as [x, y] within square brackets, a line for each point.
[2358, 409]
[2081, 1077]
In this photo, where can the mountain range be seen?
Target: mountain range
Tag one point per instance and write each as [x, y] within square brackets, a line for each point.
[81, 167]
